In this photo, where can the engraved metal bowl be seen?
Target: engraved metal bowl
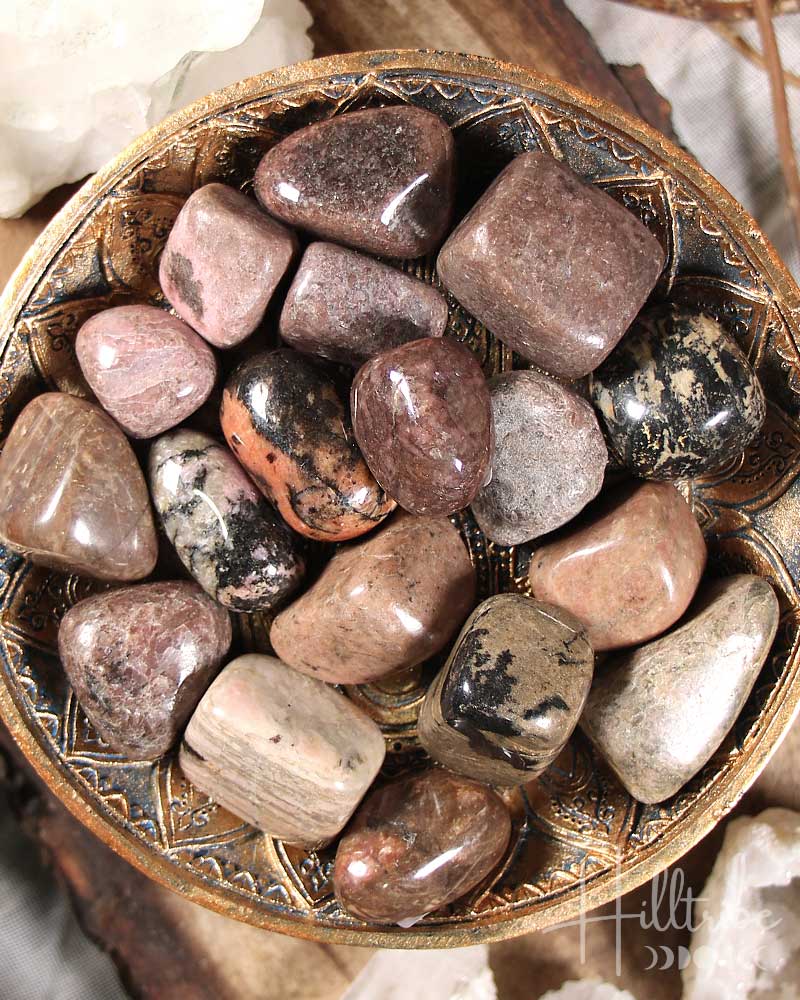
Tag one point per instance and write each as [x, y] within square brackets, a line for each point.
[579, 839]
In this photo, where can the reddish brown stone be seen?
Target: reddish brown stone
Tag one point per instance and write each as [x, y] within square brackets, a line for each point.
[222, 263]
[554, 267]
[347, 307]
[289, 428]
[148, 369]
[380, 180]
[423, 420]
[629, 570]
[72, 495]
[417, 844]
[389, 602]
[140, 659]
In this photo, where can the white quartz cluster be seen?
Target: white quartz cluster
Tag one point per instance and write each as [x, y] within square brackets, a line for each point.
[450, 974]
[80, 79]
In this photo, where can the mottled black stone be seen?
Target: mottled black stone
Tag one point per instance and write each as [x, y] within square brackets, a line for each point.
[678, 396]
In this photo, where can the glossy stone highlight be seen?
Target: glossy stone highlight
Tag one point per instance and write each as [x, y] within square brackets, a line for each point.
[549, 458]
[511, 693]
[658, 713]
[139, 660]
[290, 429]
[423, 420]
[629, 569]
[678, 396]
[554, 267]
[225, 533]
[347, 307]
[285, 752]
[417, 844]
[222, 263]
[389, 602]
[380, 180]
[72, 495]
[148, 369]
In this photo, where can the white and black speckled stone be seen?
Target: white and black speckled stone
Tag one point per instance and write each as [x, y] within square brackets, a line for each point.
[227, 536]
[658, 713]
[510, 695]
[678, 396]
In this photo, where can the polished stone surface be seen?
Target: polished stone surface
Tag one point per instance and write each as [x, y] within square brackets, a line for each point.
[285, 752]
[628, 569]
[347, 307]
[417, 844]
[554, 267]
[72, 495]
[658, 713]
[223, 260]
[226, 534]
[288, 426]
[388, 602]
[380, 180]
[423, 420]
[147, 368]
[510, 695]
[678, 396]
[139, 660]
[549, 458]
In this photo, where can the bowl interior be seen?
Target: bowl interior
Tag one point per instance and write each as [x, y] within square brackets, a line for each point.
[579, 838]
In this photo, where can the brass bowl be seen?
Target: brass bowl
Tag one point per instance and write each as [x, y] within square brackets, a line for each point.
[579, 839]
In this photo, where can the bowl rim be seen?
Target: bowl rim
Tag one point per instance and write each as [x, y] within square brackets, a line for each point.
[718, 800]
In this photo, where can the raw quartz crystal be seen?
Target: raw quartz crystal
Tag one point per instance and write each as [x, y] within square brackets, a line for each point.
[78, 81]
[447, 974]
[747, 942]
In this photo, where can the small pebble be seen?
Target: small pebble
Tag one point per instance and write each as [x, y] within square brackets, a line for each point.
[423, 420]
[347, 307]
[678, 396]
[417, 844]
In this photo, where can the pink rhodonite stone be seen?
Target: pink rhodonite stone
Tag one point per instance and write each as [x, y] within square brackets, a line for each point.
[423, 421]
[222, 263]
[629, 569]
[72, 495]
[147, 368]
[140, 658]
[554, 267]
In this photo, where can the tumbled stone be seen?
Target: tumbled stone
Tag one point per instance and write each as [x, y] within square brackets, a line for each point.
[72, 495]
[423, 420]
[139, 660]
[509, 697]
[288, 426]
[148, 369]
[347, 307]
[417, 844]
[223, 260]
[226, 534]
[630, 568]
[658, 713]
[553, 266]
[285, 752]
[380, 180]
[549, 458]
[389, 602]
[678, 396]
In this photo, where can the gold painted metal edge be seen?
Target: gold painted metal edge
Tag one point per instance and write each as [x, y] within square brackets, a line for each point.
[722, 795]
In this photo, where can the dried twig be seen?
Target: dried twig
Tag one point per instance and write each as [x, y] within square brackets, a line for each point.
[780, 107]
[729, 34]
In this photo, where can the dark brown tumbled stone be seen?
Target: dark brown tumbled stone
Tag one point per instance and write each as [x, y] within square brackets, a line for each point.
[423, 420]
[347, 307]
[288, 426]
[380, 180]
[417, 844]
[140, 659]
[554, 267]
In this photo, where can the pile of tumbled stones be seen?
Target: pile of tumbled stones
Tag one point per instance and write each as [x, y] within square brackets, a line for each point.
[558, 271]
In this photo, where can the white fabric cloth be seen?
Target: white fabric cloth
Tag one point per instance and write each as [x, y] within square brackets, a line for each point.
[720, 101]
